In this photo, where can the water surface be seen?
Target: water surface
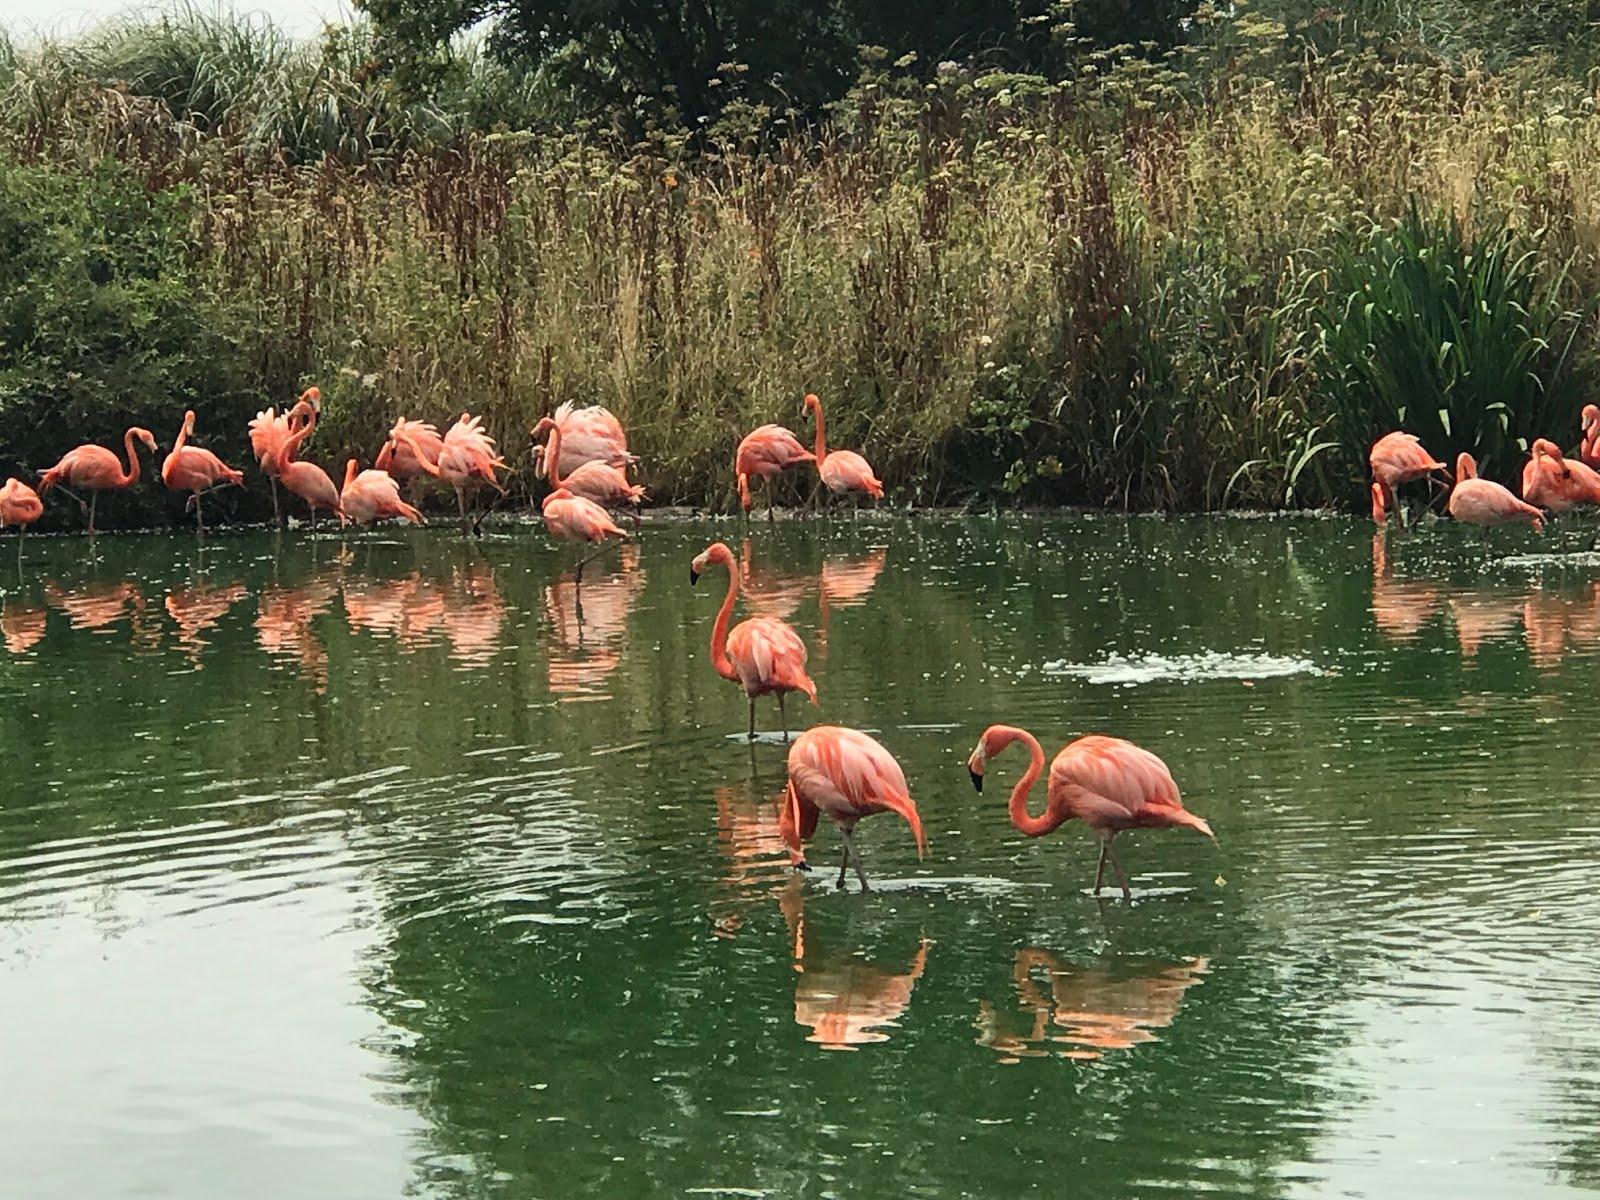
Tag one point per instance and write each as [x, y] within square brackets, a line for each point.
[371, 870]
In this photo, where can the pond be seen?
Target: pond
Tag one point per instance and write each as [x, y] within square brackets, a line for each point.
[367, 870]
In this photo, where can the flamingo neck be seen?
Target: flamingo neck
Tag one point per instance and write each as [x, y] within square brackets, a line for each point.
[292, 443]
[821, 450]
[131, 476]
[183, 437]
[350, 472]
[719, 632]
[1032, 826]
[552, 456]
[744, 492]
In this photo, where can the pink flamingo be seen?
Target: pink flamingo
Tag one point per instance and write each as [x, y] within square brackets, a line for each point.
[1107, 783]
[572, 518]
[843, 471]
[1485, 503]
[593, 480]
[764, 453]
[20, 506]
[372, 495]
[587, 435]
[848, 775]
[1559, 484]
[413, 449]
[1396, 458]
[467, 455]
[1589, 447]
[762, 654]
[95, 468]
[306, 480]
[269, 430]
[192, 469]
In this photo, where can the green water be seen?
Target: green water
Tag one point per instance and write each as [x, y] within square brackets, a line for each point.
[374, 873]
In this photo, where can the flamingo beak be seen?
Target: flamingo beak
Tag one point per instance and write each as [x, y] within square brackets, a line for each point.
[694, 575]
[977, 779]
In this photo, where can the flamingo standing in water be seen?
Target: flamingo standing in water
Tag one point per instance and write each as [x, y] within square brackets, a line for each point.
[587, 435]
[413, 449]
[1396, 458]
[467, 455]
[848, 775]
[1107, 783]
[94, 468]
[1589, 447]
[372, 495]
[20, 506]
[572, 518]
[269, 429]
[306, 480]
[762, 654]
[1559, 484]
[1484, 503]
[593, 480]
[192, 469]
[764, 453]
[843, 471]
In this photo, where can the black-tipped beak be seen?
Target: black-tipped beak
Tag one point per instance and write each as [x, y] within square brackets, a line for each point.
[977, 780]
[802, 865]
[694, 577]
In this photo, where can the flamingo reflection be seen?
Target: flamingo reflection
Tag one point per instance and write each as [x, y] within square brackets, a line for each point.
[755, 859]
[842, 998]
[283, 625]
[1399, 609]
[473, 614]
[1482, 614]
[586, 646]
[1110, 1005]
[770, 591]
[95, 606]
[1551, 621]
[846, 583]
[197, 608]
[410, 609]
[22, 624]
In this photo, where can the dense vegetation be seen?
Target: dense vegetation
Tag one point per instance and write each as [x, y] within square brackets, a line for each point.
[1175, 278]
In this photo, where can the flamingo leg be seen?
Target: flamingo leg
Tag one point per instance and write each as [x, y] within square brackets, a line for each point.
[783, 717]
[844, 860]
[93, 496]
[277, 514]
[461, 499]
[769, 502]
[1100, 866]
[199, 519]
[752, 718]
[22, 532]
[855, 857]
[1127, 893]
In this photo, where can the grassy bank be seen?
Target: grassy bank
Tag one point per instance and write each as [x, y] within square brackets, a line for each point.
[1147, 286]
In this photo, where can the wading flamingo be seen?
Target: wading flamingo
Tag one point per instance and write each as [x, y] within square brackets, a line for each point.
[764, 453]
[20, 506]
[191, 469]
[843, 471]
[467, 456]
[1107, 783]
[1559, 484]
[269, 430]
[306, 480]
[1589, 447]
[587, 435]
[593, 480]
[848, 775]
[762, 654]
[413, 449]
[1396, 458]
[95, 469]
[370, 496]
[1485, 503]
[571, 518]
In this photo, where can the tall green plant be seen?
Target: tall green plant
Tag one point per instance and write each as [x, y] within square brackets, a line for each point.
[1458, 338]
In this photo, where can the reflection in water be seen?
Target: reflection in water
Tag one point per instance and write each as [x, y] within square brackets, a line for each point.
[845, 1000]
[1399, 609]
[1481, 614]
[770, 590]
[97, 605]
[1112, 1005]
[197, 608]
[1552, 622]
[408, 609]
[755, 860]
[584, 652]
[283, 625]
[22, 623]
[473, 614]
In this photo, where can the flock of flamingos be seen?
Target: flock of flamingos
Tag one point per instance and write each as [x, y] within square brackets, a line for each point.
[1110, 784]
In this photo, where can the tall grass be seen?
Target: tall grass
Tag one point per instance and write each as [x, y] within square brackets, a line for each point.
[1131, 288]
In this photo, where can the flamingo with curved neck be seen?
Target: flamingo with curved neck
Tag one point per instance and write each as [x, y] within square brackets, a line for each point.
[764, 655]
[1109, 784]
[96, 469]
[594, 480]
[842, 471]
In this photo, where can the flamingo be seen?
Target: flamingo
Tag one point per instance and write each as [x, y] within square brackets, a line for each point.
[843, 471]
[1396, 458]
[587, 435]
[413, 449]
[765, 453]
[306, 480]
[572, 518]
[1485, 503]
[191, 469]
[20, 506]
[95, 468]
[1106, 782]
[269, 430]
[372, 495]
[1559, 484]
[762, 654]
[593, 480]
[466, 455]
[1589, 448]
[847, 775]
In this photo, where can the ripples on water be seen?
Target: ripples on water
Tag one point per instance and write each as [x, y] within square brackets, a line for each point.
[348, 870]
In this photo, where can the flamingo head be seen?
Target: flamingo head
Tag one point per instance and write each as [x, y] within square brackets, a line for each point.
[351, 470]
[1380, 511]
[188, 420]
[544, 424]
[979, 759]
[145, 436]
[1465, 467]
[1591, 417]
[717, 552]
[811, 402]
[312, 396]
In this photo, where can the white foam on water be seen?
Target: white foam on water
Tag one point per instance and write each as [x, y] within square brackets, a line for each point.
[1529, 562]
[1131, 670]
